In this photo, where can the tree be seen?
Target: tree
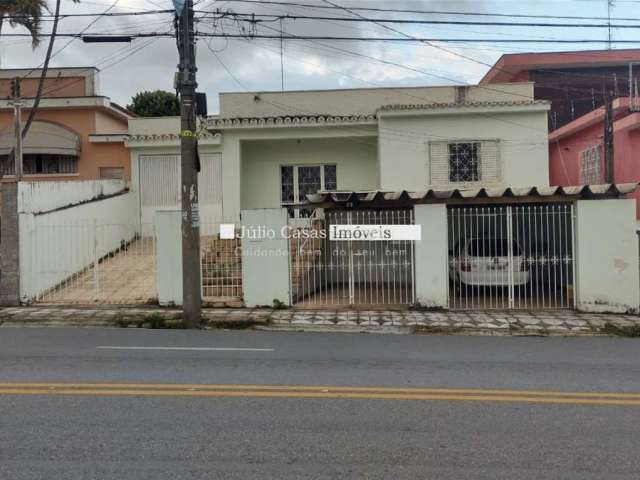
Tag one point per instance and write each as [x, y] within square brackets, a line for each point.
[28, 13]
[155, 104]
[24, 13]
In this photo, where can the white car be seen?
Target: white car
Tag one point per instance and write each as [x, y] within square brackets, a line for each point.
[485, 262]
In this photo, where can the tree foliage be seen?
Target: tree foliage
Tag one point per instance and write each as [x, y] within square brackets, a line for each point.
[155, 104]
[25, 13]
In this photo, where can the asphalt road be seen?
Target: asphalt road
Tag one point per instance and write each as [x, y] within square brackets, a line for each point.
[138, 433]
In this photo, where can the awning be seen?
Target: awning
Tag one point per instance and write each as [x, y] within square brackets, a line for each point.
[43, 138]
[379, 198]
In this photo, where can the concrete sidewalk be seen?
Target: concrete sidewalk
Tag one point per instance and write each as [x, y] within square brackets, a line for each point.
[561, 322]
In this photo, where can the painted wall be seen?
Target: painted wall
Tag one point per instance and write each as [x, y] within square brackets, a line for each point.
[358, 101]
[83, 122]
[404, 158]
[607, 256]
[37, 197]
[567, 143]
[355, 158]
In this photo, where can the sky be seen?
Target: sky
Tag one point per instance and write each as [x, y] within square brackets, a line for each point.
[254, 64]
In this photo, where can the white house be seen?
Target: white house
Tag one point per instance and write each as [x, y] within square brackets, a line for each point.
[267, 150]
[469, 164]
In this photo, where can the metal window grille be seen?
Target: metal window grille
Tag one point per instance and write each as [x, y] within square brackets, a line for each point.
[464, 162]
[298, 181]
[42, 164]
[511, 257]
[459, 163]
[591, 165]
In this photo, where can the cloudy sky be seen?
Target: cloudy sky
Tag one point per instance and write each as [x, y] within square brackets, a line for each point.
[255, 64]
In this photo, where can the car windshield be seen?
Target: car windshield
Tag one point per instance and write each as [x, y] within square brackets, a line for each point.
[492, 247]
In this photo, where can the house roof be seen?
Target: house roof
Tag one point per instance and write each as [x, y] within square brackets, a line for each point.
[434, 106]
[289, 121]
[510, 65]
[379, 198]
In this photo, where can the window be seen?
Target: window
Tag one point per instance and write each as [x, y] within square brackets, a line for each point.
[112, 173]
[464, 162]
[452, 163]
[298, 181]
[42, 164]
[590, 165]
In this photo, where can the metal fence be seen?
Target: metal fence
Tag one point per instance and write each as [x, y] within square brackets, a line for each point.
[89, 263]
[511, 257]
[326, 272]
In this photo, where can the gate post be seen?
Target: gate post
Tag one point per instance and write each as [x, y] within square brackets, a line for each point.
[432, 256]
[606, 256]
[10, 245]
[169, 257]
[265, 260]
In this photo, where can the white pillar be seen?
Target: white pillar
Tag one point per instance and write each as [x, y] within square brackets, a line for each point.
[431, 257]
[265, 261]
[607, 256]
[169, 257]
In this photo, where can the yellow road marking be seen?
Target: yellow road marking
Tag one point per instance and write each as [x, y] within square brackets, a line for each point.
[306, 391]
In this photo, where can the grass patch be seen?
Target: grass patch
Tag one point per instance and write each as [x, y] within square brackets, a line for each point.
[632, 331]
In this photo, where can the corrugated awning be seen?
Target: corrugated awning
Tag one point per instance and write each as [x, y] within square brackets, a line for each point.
[471, 195]
[43, 138]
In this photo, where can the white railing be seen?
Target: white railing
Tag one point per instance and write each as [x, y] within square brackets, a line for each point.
[511, 257]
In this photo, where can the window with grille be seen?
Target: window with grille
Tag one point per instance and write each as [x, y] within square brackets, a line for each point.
[298, 181]
[464, 162]
[474, 162]
[591, 165]
[42, 164]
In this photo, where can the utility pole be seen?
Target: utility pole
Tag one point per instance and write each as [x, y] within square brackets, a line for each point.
[609, 175]
[17, 115]
[191, 282]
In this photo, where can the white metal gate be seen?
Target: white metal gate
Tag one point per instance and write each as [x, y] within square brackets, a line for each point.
[511, 257]
[329, 272]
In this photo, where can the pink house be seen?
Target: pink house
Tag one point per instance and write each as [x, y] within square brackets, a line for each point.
[576, 153]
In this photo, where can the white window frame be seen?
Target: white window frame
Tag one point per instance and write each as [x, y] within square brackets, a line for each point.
[296, 186]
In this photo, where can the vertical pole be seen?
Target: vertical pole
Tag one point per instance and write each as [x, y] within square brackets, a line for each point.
[17, 112]
[191, 281]
[608, 138]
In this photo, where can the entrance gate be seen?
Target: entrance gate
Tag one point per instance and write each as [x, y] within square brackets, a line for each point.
[327, 272]
[511, 257]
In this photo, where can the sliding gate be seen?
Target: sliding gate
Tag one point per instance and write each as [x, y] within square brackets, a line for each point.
[327, 272]
[511, 257]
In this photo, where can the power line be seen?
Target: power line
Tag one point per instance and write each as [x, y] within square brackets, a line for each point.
[428, 12]
[338, 38]
[258, 18]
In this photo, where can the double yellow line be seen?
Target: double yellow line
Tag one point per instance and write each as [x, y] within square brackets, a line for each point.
[304, 391]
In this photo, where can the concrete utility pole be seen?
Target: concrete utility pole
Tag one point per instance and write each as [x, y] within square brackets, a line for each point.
[17, 114]
[191, 282]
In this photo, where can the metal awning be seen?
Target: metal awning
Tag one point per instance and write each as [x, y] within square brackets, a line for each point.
[379, 198]
[43, 138]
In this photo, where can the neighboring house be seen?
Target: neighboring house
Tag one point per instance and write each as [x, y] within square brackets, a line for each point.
[576, 151]
[573, 81]
[77, 133]
[267, 150]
